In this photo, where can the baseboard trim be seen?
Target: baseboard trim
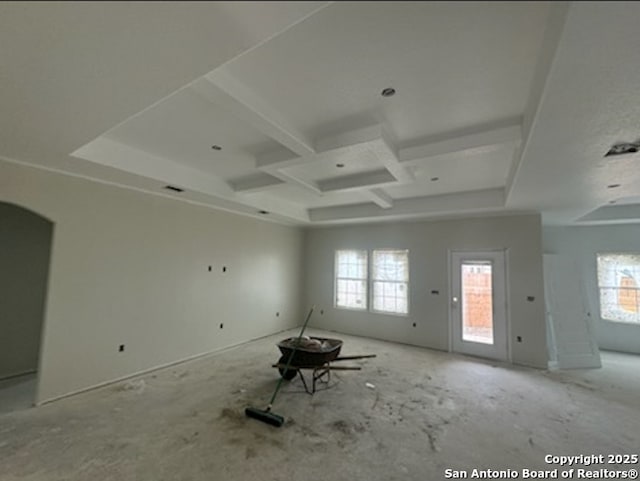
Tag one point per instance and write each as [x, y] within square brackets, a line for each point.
[11, 376]
[155, 368]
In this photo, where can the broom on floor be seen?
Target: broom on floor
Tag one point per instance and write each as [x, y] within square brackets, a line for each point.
[265, 415]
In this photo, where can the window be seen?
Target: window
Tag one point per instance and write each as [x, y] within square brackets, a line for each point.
[351, 279]
[618, 282]
[390, 278]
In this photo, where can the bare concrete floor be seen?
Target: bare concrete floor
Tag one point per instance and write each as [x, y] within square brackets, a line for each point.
[429, 411]
[17, 393]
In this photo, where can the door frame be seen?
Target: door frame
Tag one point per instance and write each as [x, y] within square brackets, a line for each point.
[507, 306]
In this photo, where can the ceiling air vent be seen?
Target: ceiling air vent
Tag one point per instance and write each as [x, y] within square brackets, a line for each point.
[173, 188]
[623, 148]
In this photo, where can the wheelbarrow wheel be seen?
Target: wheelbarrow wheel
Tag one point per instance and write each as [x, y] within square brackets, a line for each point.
[287, 374]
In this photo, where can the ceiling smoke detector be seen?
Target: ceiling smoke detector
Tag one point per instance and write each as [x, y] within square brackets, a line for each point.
[623, 148]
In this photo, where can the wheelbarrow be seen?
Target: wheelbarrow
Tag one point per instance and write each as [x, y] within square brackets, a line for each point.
[315, 354]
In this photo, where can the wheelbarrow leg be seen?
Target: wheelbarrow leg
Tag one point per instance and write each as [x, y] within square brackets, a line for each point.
[321, 374]
[304, 382]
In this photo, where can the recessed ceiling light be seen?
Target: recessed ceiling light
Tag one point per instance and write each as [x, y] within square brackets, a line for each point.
[263, 212]
[339, 166]
[216, 147]
[434, 179]
[173, 188]
[613, 186]
[388, 92]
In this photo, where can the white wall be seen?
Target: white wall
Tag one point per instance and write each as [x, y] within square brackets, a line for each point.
[581, 244]
[25, 241]
[428, 244]
[132, 268]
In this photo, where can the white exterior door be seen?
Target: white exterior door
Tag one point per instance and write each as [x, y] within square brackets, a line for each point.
[478, 313]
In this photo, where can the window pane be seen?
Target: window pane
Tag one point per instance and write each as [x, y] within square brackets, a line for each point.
[352, 264]
[477, 303]
[391, 265]
[390, 297]
[351, 279]
[351, 294]
[618, 281]
[390, 273]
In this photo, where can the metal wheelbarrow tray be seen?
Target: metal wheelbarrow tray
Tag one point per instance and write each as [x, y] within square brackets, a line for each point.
[328, 350]
[317, 358]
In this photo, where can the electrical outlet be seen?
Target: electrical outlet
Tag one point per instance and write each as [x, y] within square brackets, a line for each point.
[277, 314]
[221, 325]
[519, 338]
[121, 348]
[224, 268]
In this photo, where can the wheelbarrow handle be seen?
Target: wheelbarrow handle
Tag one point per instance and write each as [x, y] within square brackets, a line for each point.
[328, 366]
[351, 358]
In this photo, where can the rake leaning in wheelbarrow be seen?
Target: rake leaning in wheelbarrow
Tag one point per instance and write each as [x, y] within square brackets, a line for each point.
[304, 353]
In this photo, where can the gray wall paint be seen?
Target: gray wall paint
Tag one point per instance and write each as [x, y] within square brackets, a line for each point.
[581, 244]
[132, 268]
[429, 244]
[25, 241]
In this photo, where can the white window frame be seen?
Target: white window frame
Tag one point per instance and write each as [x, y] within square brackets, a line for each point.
[615, 314]
[336, 278]
[372, 280]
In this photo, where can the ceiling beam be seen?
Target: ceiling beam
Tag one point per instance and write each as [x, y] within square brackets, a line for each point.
[349, 138]
[481, 140]
[357, 181]
[379, 197]
[373, 138]
[388, 153]
[223, 89]
[377, 140]
[255, 183]
[277, 159]
[129, 159]
[489, 200]
[121, 156]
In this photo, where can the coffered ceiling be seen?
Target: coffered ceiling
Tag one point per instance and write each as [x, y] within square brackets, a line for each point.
[276, 109]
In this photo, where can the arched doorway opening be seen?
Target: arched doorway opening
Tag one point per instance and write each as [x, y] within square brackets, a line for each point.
[25, 249]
